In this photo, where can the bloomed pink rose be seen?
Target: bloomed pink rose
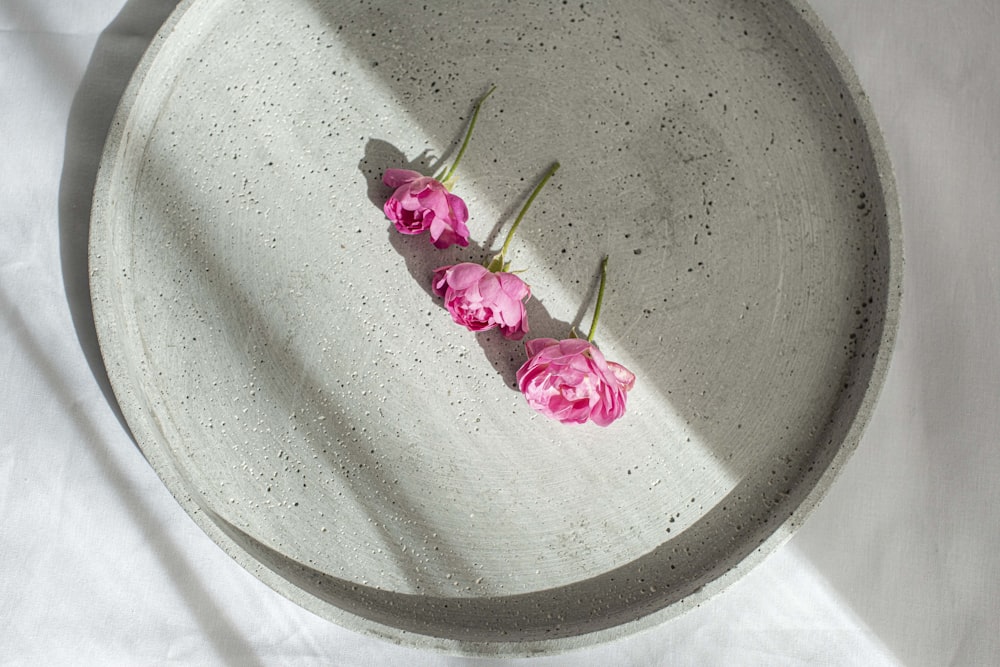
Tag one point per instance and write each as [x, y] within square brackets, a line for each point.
[571, 381]
[421, 204]
[480, 299]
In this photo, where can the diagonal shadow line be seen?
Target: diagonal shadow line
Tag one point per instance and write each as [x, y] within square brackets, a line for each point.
[176, 564]
[115, 56]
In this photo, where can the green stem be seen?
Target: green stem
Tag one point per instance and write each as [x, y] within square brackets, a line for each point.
[498, 261]
[600, 299]
[468, 135]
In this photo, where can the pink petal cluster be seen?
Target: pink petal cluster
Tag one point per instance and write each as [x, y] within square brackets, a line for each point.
[480, 299]
[571, 381]
[421, 204]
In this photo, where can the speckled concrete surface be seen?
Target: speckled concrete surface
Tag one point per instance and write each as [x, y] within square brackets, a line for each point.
[277, 352]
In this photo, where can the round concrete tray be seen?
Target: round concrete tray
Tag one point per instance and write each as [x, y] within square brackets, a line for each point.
[276, 350]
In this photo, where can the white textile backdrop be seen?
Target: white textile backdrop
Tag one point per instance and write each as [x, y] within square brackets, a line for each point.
[898, 566]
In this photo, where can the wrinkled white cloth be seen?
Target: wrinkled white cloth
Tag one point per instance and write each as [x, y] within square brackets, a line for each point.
[898, 565]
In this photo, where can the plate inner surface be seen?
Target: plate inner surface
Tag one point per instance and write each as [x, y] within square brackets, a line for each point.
[277, 351]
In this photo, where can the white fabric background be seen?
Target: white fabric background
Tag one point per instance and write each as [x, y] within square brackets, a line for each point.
[899, 565]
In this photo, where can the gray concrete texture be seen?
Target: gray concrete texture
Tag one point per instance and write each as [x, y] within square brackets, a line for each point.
[277, 352]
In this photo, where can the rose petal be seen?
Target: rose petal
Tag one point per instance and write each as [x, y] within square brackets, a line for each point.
[624, 376]
[395, 178]
[570, 381]
[536, 345]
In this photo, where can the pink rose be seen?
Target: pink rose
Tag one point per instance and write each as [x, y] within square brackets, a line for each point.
[570, 380]
[421, 203]
[480, 299]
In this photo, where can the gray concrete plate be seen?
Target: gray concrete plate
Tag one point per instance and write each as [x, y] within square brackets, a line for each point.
[278, 354]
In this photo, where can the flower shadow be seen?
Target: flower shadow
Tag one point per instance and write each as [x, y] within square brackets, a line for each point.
[378, 154]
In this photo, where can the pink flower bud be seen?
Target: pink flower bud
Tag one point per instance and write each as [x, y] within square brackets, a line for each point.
[570, 380]
[480, 299]
[421, 204]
